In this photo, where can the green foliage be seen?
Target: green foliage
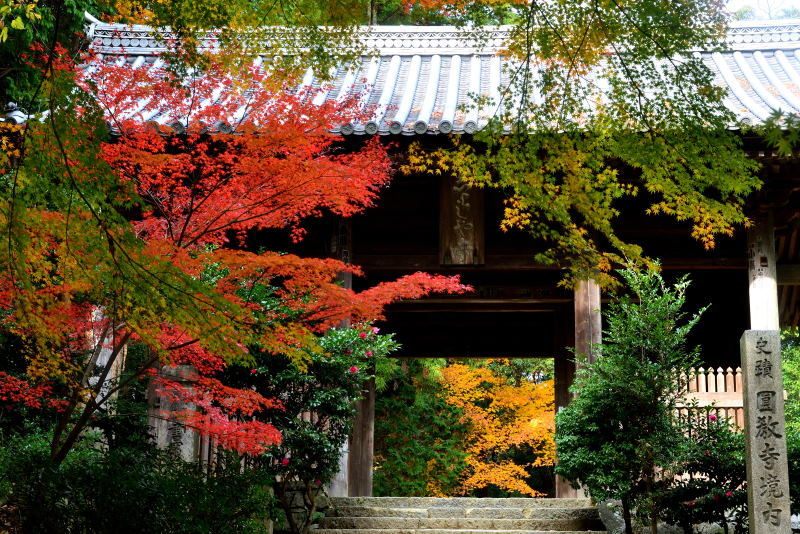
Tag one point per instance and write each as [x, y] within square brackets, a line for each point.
[51, 21]
[790, 353]
[793, 455]
[600, 110]
[516, 370]
[316, 412]
[713, 487]
[617, 438]
[128, 489]
[419, 438]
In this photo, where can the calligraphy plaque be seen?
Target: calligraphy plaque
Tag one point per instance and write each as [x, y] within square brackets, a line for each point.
[461, 228]
[765, 433]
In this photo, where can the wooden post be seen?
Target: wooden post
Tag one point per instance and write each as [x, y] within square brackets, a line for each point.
[564, 363]
[762, 275]
[342, 248]
[588, 323]
[764, 418]
[362, 445]
[355, 479]
[564, 359]
[588, 334]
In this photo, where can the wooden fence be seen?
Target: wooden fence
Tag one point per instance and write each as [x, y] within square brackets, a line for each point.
[717, 391]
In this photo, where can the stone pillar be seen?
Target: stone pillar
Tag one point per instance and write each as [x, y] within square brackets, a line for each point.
[765, 433]
[764, 419]
[166, 416]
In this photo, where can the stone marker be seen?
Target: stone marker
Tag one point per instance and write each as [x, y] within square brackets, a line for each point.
[765, 433]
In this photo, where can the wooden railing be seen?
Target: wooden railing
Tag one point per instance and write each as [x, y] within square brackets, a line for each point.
[717, 391]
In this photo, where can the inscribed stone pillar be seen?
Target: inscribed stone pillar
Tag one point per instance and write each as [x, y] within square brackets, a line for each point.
[166, 416]
[765, 433]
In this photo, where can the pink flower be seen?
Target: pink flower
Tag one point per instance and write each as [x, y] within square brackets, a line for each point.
[362, 335]
[354, 369]
[348, 351]
[368, 353]
[712, 417]
[253, 371]
[691, 503]
[375, 329]
[708, 453]
[728, 493]
[285, 462]
[318, 482]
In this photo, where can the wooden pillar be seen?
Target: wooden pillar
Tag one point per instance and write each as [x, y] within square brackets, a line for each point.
[564, 363]
[341, 248]
[355, 477]
[587, 334]
[588, 323]
[762, 276]
[362, 442]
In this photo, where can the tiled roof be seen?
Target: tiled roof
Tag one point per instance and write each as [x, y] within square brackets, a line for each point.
[421, 78]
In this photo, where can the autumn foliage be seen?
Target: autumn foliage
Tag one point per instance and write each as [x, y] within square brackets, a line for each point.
[503, 417]
[137, 237]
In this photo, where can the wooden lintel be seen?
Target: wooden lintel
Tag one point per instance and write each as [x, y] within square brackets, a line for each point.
[521, 262]
[789, 274]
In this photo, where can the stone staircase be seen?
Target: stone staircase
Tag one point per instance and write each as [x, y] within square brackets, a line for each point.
[431, 515]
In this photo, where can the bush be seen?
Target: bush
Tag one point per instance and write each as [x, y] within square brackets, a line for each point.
[316, 412]
[793, 455]
[131, 490]
[713, 488]
[617, 438]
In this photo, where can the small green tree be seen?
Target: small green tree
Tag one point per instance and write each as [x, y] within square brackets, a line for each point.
[790, 352]
[618, 438]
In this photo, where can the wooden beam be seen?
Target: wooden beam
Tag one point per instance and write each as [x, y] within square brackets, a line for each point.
[788, 274]
[762, 275]
[520, 262]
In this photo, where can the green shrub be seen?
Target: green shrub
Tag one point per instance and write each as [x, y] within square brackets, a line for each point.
[131, 490]
[713, 488]
[793, 455]
[316, 412]
[617, 438]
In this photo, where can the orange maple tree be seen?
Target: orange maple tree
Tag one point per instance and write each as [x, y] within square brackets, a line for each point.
[502, 416]
[136, 237]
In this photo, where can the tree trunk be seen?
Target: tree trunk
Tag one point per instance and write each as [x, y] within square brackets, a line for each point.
[626, 515]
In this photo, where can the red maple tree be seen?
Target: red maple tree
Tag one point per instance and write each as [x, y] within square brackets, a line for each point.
[240, 151]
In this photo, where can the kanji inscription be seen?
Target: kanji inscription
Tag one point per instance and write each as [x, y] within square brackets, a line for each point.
[765, 428]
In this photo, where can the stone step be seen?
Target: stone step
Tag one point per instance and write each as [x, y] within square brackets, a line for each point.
[447, 531]
[457, 512]
[457, 502]
[485, 524]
